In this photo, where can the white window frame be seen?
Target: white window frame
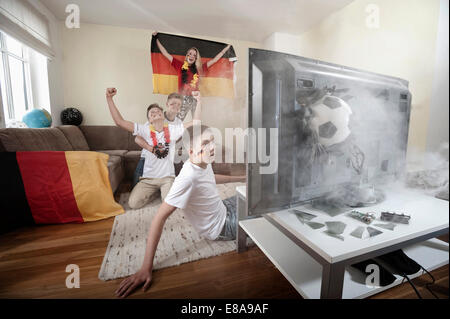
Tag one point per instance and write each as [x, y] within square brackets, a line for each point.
[8, 87]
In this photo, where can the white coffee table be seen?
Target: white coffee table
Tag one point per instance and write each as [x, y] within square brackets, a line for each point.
[317, 265]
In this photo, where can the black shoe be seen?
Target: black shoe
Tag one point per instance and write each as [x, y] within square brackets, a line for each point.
[400, 263]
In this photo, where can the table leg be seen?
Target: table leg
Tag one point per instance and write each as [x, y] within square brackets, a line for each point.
[241, 240]
[241, 235]
[332, 281]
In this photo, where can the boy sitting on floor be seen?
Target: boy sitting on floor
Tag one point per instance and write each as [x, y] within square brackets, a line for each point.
[194, 191]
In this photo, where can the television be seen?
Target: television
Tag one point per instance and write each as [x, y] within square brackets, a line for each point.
[338, 128]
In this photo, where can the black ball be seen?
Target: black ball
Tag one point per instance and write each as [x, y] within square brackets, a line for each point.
[71, 116]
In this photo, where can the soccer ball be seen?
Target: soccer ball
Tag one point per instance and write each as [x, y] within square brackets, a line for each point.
[330, 118]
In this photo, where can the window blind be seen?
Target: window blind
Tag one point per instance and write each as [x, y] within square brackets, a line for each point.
[24, 22]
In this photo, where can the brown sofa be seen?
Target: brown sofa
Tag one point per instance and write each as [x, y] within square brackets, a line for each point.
[123, 152]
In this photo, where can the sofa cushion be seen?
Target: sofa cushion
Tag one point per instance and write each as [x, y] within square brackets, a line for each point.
[34, 139]
[75, 137]
[105, 137]
[131, 160]
[133, 154]
[116, 171]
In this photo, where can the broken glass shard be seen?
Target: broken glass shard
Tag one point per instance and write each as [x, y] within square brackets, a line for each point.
[388, 226]
[315, 225]
[358, 232]
[334, 235]
[336, 228]
[373, 232]
[302, 216]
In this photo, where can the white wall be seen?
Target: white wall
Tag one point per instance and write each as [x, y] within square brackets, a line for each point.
[403, 46]
[98, 56]
[283, 42]
[438, 122]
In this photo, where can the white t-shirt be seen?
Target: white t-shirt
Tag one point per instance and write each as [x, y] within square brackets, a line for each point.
[195, 192]
[155, 167]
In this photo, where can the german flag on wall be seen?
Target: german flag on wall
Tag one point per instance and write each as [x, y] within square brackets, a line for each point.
[54, 188]
[218, 80]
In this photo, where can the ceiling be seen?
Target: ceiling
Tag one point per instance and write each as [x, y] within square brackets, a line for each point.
[251, 20]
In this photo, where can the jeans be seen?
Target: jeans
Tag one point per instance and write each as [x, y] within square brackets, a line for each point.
[138, 172]
[230, 226]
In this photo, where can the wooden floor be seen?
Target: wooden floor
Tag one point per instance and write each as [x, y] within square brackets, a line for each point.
[33, 262]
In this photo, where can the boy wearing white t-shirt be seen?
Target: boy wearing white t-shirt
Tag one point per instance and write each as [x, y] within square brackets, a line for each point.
[160, 138]
[194, 191]
[173, 106]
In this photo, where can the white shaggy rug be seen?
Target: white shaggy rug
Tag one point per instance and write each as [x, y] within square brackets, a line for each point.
[179, 242]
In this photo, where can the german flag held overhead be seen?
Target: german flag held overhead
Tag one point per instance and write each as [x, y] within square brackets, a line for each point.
[217, 80]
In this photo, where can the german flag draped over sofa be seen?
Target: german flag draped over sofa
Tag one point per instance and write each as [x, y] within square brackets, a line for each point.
[218, 80]
[54, 188]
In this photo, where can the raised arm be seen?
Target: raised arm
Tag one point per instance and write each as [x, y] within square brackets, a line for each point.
[163, 49]
[117, 117]
[144, 275]
[142, 143]
[222, 179]
[198, 110]
[217, 57]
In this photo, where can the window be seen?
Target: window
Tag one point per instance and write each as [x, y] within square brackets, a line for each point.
[14, 78]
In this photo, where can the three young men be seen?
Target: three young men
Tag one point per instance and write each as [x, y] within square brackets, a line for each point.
[193, 190]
